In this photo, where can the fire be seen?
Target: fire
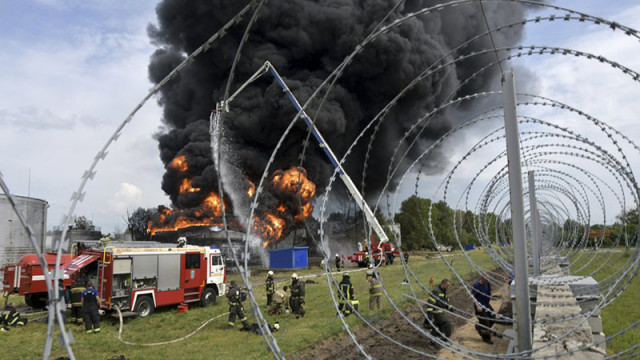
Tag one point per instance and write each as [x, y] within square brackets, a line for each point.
[212, 204]
[179, 163]
[185, 187]
[292, 187]
[207, 214]
[269, 226]
[252, 188]
[306, 212]
[295, 180]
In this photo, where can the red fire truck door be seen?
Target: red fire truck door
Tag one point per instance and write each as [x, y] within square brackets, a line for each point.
[191, 272]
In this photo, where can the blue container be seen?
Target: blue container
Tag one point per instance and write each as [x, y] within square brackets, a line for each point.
[469, 247]
[290, 258]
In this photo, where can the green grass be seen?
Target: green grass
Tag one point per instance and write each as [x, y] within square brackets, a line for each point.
[213, 341]
[624, 310]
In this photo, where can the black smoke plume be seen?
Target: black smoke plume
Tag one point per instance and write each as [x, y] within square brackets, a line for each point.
[305, 40]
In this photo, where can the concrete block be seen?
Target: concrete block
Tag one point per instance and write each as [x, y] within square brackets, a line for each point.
[595, 323]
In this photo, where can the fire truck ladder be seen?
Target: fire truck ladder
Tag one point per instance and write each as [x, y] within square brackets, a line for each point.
[353, 190]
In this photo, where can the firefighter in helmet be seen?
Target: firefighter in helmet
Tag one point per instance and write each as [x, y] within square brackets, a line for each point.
[297, 296]
[269, 287]
[235, 298]
[338, 262]
[436, 304]
[76, 304]
[346, 295]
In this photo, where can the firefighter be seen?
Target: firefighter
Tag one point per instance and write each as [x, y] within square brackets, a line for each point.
[279, 300]
[269, 287]
[76, 304]
[484, 312]
[375, 293]
[234, 297]
[338, 262]
[345, 295]
[297, 296]
[11, 317]
[369, 273]
[90, 306]
[436, 304]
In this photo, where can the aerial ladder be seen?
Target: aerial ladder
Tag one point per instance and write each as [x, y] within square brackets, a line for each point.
[351, 187]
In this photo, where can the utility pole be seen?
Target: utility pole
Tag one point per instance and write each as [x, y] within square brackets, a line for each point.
[534, 220]
[523, 315]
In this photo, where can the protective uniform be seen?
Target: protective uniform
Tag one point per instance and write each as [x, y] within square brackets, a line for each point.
[11, 317]
[90, 310]
[345, 295]
[436, 319]
[375, 294]
[486, 316]
[269, 288]
[297, 296]
[337, 262]
[235, 306]
[279, 299]
[76, 304]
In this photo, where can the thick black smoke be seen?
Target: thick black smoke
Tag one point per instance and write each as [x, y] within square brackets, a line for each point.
[305, 40]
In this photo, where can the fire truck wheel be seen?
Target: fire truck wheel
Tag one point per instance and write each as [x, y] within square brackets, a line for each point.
[144, 306]
[37, 300]
[208, 297]
[27, 300]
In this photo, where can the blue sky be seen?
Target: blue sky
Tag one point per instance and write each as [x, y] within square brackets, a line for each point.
[72, 71]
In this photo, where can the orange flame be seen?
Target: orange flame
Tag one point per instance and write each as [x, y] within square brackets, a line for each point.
[185, 187]
[306, 212]
[269, 226]
[210, 208]
[252, 188]
[295, 180]
[179, 163]
[212, 203]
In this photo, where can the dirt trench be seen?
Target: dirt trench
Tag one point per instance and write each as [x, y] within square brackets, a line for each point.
[400, 330]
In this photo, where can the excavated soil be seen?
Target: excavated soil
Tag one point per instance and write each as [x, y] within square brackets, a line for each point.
[400, 330]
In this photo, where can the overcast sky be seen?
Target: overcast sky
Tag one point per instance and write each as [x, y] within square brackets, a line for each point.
[72, 71]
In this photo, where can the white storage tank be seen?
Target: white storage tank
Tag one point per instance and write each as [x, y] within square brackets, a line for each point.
[14, 241]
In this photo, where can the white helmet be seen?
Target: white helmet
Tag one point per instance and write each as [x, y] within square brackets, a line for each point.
[294, 276]
[270, 273]
[337, 255]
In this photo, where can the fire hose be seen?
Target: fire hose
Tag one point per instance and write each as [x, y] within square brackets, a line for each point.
[165, 342]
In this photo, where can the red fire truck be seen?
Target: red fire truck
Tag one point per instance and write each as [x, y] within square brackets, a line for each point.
[26, 278]
[381, 253]
[142, 279]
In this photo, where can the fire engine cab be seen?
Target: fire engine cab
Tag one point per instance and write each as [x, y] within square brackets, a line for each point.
[142, 279]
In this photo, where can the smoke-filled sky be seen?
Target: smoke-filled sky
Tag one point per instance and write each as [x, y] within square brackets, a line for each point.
[305, 41]
[73, 70]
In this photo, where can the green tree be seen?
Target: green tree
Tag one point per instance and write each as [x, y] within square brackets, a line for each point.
[82, 223]
[413, 220]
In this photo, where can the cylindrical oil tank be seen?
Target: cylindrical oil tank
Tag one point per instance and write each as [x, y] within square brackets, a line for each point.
[14, 241]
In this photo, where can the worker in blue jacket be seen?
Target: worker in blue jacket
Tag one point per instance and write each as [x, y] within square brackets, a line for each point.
[90, 309]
